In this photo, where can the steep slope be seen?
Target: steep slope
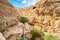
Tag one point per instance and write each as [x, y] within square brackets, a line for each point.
[45, 15]
[8, 15]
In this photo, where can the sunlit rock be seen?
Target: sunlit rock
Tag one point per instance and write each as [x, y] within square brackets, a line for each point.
[8, 16]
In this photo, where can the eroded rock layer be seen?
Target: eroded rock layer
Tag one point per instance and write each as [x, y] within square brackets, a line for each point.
[45, 15]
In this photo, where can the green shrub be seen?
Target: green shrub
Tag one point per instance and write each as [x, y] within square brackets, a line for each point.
[39, 33]
[50, 37]
[23, 19]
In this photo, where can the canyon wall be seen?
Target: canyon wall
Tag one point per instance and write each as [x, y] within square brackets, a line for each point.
[45, 14]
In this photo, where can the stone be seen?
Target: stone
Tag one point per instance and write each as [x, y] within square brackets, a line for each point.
[8, 16]
[2, 37]
[46, 16]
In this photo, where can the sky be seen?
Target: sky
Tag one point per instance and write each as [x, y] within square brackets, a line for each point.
[23, 3]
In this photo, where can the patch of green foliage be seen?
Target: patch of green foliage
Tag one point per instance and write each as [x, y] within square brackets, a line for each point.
[23, 19]
[39, 33]
[50, 37]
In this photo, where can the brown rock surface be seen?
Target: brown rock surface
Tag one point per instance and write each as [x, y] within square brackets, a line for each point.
[8, 16]
[2, 37]
[45, 14]
[16, 30]
[5, 2]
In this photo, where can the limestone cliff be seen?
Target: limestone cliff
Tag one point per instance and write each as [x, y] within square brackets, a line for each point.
[45, 14]
[8, 14]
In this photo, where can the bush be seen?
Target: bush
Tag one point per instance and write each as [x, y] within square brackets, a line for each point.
[23, 19]
[39, 33]
[50, 37]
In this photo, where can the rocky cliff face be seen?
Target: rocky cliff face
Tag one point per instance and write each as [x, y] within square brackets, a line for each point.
[45, 14]
[8, 14]
[5, 2]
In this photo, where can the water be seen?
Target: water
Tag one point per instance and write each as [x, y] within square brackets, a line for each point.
[23, 3]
